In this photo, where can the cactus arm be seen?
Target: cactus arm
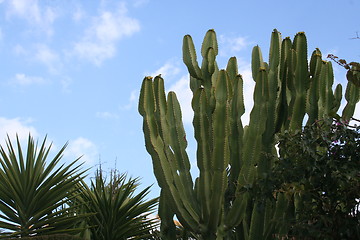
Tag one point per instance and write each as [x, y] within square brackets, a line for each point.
[161, 108]
[163, 162]
[203, 136]
[257, 222]
[273, 85]
[211, 60]
[236, 134]
[221, 150]
[301, 71]
[329, 96]
[337, 98]
[256, 61]
[189, 57]
[232, 69]
[208, 68]
[178, 145]
[280, 212]
[209, 41]
[195, 84]
[301, 81]
[312, 106]
[286, 45]
[282, 103]
[352, 96]
[237, 213]
[167, 228]
[253, 135]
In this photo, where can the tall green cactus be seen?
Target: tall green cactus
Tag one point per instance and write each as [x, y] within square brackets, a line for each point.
[231, 157]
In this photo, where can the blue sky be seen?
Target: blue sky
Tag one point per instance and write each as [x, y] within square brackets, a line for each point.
[73, 69]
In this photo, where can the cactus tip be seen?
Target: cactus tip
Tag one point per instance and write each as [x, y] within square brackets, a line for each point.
[276, 31]
[148, 78]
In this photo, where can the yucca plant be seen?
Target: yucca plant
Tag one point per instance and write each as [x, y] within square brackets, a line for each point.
[118, 212]
[34, 191]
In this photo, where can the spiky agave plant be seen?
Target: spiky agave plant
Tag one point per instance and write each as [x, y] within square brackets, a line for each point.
[118, 212]
[34, 191]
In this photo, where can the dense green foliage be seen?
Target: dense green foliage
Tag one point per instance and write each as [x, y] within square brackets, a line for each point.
[321, 164]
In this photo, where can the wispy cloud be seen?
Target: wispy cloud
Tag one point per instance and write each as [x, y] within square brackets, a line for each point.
[24, 80]
[48, 57]
[16, 126]
[41, 53]
[140, 3]
[79, 14]
[134, 96]
[169, 69]
[39, 17]
[106, 115]
[84, 148]
[19, 50]
[229, 45]
[100, 39]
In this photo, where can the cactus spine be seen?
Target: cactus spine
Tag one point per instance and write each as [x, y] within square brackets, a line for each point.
[231, 157]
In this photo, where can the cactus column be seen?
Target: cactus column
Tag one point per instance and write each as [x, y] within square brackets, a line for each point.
[230, 157]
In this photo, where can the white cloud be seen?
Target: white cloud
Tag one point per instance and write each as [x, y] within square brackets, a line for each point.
[23, 80]
[19, 50]
[169, 69]
[134, 96]
[231, 45]
[41, 17]
[17, 126]
[100, 39]
[106, 115]
[139, 3]
[41, 53]
[184, 96]
[82, 147]
[78, 14]
[48, 57]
